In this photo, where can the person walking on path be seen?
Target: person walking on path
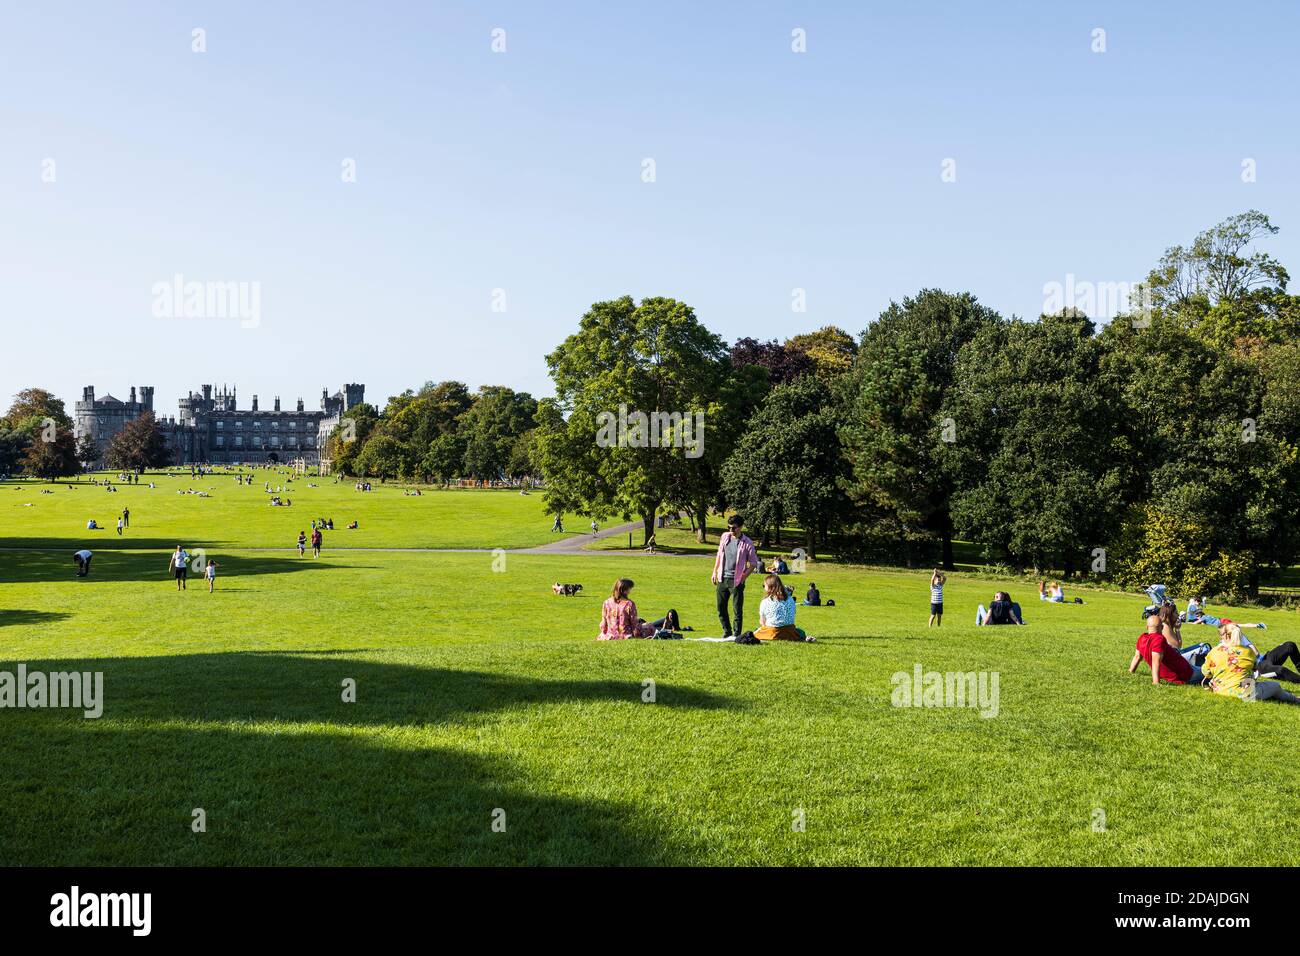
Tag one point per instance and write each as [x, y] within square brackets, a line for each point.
[736, 560]
[302, 545]
[316, 539]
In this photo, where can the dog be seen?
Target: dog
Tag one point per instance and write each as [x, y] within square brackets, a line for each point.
[567, 590]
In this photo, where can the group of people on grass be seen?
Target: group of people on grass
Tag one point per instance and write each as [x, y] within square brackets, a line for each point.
[1234, 668]
[736, 560]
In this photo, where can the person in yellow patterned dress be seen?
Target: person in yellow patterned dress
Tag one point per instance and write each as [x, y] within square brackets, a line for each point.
[1230, 668]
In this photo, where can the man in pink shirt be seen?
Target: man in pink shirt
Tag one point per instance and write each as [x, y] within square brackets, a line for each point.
[736, 560]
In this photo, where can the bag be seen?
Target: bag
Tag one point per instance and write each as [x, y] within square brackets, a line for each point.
[748, 638]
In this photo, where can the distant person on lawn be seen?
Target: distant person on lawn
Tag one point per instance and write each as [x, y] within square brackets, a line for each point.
[736, 560]
[82, 559]
[316, 539]
[210, 572]
[302, 544]
[814, 597]
[1002, 610]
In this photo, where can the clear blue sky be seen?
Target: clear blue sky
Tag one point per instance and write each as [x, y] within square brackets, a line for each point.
[522, 171]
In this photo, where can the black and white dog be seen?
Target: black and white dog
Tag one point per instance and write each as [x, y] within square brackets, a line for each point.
[567, 590]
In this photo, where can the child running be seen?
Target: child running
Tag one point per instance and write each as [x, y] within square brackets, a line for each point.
[936, 598]
[210, 572]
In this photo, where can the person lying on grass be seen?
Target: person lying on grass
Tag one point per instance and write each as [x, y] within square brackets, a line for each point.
[1196, 615]
[1271, 664]
[776, 613]
[1231, 667]
[1002, 610]
[1167, 663]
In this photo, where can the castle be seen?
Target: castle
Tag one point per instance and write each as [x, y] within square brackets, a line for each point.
[212, 429]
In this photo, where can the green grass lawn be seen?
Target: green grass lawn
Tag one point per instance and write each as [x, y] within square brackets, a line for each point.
[237, 515]
[478, 690]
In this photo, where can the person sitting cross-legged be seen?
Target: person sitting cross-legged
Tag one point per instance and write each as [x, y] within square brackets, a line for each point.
[776, 613]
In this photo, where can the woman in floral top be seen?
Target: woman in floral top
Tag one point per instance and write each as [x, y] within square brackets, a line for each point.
[618, 618]
[776, 613]
[1231, 667]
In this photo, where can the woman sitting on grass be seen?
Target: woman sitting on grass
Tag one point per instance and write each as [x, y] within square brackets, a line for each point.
[1231, 669]
[776, 613]
[618, 620]
[1002, 610]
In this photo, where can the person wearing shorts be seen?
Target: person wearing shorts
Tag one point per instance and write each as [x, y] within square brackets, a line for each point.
[210, 573]
[179, 564]
[936, 598]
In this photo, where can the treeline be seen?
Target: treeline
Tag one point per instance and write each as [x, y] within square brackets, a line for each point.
[439, 433]
[1164, 446]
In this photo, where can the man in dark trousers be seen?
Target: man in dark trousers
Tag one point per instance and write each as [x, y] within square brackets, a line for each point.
[82, 558]
[737, 559]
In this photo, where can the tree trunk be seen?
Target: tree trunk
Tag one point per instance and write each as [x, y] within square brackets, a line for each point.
[648, 522]
[701, 524]
[945, 531]
[1252, 584]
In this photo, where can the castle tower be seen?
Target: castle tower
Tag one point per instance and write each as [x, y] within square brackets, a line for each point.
[254, 403]
[353, 395]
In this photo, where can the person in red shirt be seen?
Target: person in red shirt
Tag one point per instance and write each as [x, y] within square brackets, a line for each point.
[1168, 663]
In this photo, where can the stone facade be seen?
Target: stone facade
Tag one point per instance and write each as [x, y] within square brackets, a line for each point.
[210, 428]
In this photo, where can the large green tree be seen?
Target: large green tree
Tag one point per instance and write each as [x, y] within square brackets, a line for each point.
[1041, 461]
[892, 425]
[627, 360]
[493, 426]
[788, 466]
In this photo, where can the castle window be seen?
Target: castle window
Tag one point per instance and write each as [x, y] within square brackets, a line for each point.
[275, 424]
[239, 423]
[239, 441]
[293, 424]
[220, 425]
[221, 440]
[257, 423]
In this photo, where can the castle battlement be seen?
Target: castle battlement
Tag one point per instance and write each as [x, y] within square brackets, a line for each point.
[210, 427]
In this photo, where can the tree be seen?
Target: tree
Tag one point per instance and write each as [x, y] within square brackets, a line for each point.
[52, 454]
[831, 349]
[383, 457]
[788, 465]
[632, 384]
[892, 423]
[13, 447]
[34, 409]
[349, 436]
[492, 427]
[138, 446]
[88, 450]
[1041, 460]
[782, 363]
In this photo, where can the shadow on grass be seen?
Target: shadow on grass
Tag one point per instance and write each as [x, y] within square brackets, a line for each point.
[334, 783]
[118, 565]
[10, 616]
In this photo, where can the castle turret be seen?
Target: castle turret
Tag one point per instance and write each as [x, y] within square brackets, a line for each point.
[146, 397]
[300, 405]
[254, 403]
[353, 395]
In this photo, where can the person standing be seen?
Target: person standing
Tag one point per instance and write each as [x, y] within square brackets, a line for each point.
[210, 573]
[179, 564]
[736, 560]
[119, 527]
[126, 517]
[316, 539]
[936, 598]
[302, 545]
